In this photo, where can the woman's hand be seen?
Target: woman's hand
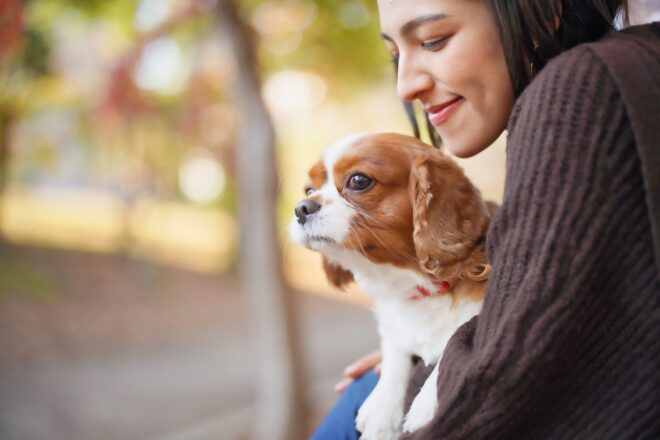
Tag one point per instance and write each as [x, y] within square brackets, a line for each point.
[358, 368]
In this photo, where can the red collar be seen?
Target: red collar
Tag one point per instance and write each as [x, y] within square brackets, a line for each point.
[441, 288]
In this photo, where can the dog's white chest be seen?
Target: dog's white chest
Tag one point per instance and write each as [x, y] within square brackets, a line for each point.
[419, 327]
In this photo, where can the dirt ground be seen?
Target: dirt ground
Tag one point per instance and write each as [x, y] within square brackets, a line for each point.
[108, 347]
[58, 304]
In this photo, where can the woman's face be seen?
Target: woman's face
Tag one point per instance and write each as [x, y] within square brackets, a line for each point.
[451, 59]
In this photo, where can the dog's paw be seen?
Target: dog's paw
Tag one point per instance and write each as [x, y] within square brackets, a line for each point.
[379, 419]
[423, 407]
[419, 415]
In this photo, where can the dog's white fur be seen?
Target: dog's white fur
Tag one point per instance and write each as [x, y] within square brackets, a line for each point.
[422, 327]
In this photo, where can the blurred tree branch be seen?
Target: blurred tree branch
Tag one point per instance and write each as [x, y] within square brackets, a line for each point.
[122, 97]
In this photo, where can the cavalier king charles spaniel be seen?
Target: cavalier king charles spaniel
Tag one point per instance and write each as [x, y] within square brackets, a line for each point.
[403, 221]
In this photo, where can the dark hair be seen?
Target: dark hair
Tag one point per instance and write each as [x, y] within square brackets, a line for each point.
[534, 31]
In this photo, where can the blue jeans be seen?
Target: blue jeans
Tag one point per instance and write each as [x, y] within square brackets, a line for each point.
[339, 424]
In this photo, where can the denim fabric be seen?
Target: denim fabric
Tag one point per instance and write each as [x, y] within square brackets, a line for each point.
[339, 424]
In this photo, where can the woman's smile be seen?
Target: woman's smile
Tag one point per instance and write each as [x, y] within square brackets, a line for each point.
[439, 114]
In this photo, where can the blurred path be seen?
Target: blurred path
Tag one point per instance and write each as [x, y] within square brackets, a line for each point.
[193, 387]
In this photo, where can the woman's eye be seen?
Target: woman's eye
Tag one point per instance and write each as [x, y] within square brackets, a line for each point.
[434, 44]
[309, 191]
[395, 57]
[358, 182]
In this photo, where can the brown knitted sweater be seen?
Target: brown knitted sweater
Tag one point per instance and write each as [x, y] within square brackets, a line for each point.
[567, 344]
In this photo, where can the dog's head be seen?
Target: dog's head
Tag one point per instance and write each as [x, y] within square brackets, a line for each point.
[396, 200]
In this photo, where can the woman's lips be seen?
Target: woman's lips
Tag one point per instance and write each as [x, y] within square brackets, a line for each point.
[440, 113]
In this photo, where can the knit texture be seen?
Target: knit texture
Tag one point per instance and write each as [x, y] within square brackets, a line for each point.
[567, 344]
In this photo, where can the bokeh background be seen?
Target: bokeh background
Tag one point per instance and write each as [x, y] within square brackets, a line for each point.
[122, 314]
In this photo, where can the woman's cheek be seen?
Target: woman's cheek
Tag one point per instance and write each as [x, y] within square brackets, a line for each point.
[463, 68]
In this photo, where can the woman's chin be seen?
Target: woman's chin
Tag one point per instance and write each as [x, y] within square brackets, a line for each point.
[462, 149]
[466, 143]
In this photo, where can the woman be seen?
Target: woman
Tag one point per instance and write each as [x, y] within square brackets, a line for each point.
[567, 344]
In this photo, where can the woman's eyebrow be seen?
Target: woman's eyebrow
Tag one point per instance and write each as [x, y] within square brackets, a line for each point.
[415, 23]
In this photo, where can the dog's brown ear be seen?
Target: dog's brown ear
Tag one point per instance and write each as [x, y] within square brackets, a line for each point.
[337, 275]
[450, 219]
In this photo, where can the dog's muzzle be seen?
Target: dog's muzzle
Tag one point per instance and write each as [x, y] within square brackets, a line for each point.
[304, 209]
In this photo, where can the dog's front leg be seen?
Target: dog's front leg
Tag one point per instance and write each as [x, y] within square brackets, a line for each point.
[426, 402]
[380, 416]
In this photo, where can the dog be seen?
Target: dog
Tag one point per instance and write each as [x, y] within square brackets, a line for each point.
[401, 220]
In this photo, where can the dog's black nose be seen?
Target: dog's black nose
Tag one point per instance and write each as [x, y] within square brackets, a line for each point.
[305, 208]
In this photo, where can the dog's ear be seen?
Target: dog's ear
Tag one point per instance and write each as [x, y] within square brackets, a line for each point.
[450, 219]
[337, 275]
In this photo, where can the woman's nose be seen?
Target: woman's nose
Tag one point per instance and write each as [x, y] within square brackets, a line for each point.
[411, 80]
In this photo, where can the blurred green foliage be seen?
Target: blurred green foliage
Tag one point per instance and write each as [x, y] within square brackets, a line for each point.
[142, 152]
[34, 55]
[347, 58]
[23, 281]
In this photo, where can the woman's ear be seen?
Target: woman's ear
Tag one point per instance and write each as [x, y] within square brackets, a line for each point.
[337, 275]
[450, 220]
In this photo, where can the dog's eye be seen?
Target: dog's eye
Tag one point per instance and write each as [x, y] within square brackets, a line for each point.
[358, 182]
[309, 191]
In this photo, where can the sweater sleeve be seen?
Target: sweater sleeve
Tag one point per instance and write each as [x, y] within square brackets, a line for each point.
[505, 370]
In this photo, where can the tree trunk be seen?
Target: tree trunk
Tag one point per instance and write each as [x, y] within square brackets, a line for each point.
[280, 411]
